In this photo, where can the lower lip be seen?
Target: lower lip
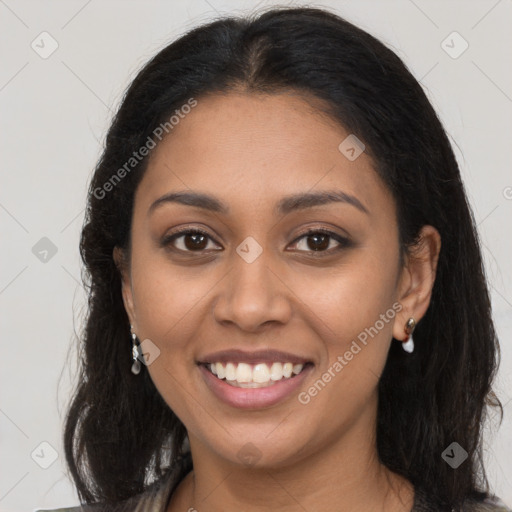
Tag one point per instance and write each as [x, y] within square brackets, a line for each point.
[253, 398]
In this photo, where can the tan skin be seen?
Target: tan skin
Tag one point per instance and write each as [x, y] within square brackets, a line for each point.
[249, 151]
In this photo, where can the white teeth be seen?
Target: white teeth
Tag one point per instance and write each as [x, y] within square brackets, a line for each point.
[230, 371]
[297, 368]
[221, 373]
[243, 372]
[259, 375]
[276, 371]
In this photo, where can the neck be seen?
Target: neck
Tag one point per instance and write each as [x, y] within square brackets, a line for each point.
[342, 476]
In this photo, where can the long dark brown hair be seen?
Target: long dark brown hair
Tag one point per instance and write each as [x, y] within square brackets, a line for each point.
[120, 435]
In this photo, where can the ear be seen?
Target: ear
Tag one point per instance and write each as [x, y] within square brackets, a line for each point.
[126, 285]
[417, 279]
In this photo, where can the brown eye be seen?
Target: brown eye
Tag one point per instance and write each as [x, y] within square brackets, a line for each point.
[195, 241]
[321, 241]
[189, 241]
[318, 242]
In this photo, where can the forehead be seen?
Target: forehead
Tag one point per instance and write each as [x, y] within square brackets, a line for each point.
[253, 147]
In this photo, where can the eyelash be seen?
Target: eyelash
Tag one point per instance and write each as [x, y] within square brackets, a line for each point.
[342, 241]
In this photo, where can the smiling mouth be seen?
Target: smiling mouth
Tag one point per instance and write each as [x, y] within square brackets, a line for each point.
[260, 375]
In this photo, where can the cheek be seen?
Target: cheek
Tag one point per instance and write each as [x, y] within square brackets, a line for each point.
[168, 307]
[353, 308]
[351, 297]
[166, 297]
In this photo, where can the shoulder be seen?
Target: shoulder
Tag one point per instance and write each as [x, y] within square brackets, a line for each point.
[66, 509]
[424, 502]
[492, 504]
[153, 499]
[78, 508]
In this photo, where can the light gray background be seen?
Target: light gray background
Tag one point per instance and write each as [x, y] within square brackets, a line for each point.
[55, 112]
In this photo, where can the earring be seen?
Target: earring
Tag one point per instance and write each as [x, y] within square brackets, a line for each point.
[408, 343]
[135, 353]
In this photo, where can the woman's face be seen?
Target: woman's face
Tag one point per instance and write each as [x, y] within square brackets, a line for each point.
[251, 290]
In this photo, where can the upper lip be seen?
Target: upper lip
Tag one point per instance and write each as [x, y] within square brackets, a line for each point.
[258, 356]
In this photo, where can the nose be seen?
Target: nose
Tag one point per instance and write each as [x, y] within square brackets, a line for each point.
[252, 296]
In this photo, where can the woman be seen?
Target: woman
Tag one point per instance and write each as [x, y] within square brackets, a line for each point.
[287, 306]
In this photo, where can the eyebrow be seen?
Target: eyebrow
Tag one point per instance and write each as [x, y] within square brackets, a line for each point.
[310, 199]
[286, 205]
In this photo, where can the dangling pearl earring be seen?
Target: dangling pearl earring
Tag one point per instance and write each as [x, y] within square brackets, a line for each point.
[408, 343]
[135, 353]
